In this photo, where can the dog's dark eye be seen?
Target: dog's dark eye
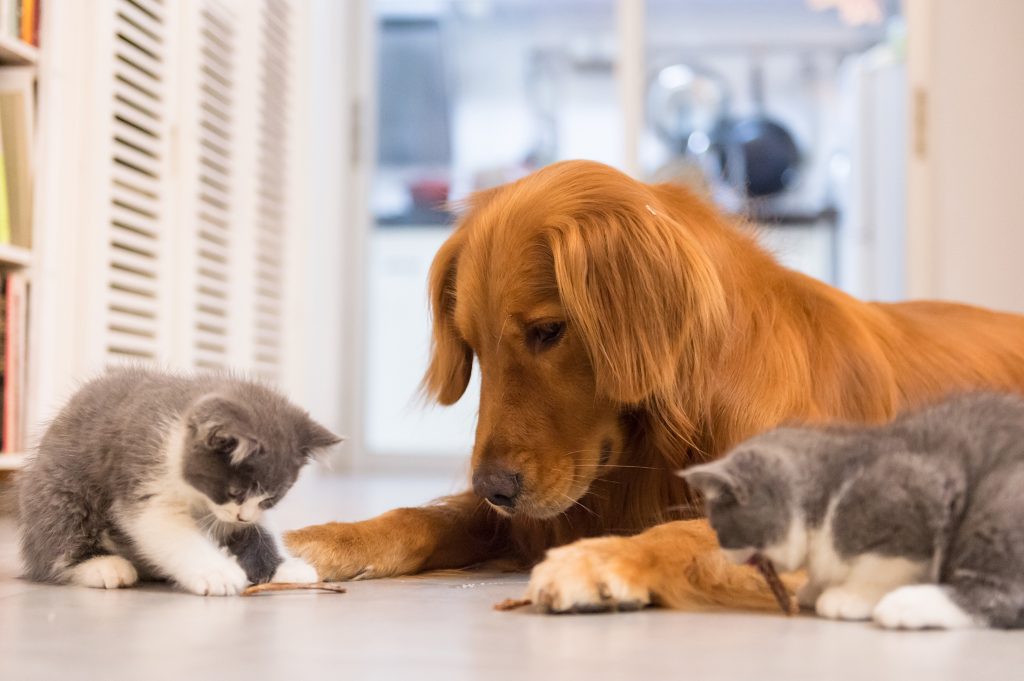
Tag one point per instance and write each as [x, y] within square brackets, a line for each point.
[540, 337]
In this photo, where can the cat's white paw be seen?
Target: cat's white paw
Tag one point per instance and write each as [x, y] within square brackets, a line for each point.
[225, 578]
[921, 606]
[295, 570]
[845, 603]
[104, 572]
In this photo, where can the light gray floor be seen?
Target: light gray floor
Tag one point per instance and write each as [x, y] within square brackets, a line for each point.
[440, 628]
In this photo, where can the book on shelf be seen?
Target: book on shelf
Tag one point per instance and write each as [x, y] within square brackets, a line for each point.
[5, 215]
[19, 19]
[16, 104]
[3, 352]
[29, 19]
[10, 19]
[15, 287]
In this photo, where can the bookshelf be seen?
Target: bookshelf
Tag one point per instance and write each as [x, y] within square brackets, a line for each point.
[14, 52]
[18, 80]
[12, 256]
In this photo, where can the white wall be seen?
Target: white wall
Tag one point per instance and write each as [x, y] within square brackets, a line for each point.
[966, 201]
[318, 314]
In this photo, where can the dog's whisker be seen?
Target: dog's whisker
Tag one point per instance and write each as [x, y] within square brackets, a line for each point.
[578, 503]
[595, 451]
[565, 515]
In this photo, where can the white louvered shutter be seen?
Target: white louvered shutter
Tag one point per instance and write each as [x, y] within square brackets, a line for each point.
[136, 301]
[165, 189]
[271, 187]
[214, 100]
[192, 185]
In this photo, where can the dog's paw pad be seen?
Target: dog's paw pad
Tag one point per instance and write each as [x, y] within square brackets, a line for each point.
[295, 570]
[583, 578]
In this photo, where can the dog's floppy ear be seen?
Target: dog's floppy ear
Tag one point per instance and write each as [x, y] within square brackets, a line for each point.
[642, 293]
[451, 359]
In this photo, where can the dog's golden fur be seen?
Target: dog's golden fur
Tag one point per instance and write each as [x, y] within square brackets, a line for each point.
[682, 337]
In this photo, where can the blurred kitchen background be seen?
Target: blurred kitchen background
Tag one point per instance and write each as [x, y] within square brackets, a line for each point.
[791, 114]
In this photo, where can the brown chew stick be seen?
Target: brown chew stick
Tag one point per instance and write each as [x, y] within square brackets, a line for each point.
[512, 604]
[290, 586]
[767, 570]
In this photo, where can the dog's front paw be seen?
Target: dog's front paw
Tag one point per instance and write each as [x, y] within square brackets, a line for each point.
[337, 551]
[104, 572]
[592, 575]
[223, 578]
[296, 571]
[385, 546]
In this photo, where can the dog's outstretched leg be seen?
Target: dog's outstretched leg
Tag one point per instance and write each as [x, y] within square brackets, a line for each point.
[678, 565]
[453, 532]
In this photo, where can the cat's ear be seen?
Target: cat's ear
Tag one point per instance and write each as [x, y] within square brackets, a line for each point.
[316, 438]
[217, 422]
[236, 448]
[715, 481]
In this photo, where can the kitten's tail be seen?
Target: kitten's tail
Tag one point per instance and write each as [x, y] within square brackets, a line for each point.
[11, 483]
[8, 497]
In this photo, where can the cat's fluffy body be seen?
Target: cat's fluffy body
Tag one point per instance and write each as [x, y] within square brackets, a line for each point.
[917, 524]
[156, 475]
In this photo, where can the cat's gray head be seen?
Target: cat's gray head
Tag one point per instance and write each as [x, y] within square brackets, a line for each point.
[751, 500]
[244, 447]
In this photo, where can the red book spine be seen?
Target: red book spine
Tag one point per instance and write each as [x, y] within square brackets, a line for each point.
[12, 368]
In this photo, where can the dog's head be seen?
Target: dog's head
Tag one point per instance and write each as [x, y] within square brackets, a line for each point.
[583, 298]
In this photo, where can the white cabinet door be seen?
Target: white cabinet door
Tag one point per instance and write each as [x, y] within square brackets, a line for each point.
[966, 230]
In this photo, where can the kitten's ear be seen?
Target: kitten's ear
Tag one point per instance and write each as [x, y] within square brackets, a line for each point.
[715, 481]
[217, 422]
[317, 438]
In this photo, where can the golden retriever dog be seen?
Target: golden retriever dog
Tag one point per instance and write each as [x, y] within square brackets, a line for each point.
[624, 331]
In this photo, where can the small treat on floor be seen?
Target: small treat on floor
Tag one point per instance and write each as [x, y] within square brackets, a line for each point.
[512, 604]
[293, 586]
[767, 570]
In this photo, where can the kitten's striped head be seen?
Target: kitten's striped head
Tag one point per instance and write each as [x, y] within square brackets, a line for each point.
[749, 497]
[245, 445]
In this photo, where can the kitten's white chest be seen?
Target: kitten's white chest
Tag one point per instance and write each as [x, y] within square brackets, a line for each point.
[824, 564]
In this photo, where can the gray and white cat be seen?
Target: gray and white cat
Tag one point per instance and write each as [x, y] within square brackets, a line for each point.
[915, 524]
[165, 476]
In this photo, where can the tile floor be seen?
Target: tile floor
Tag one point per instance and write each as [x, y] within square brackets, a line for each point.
[439, 628]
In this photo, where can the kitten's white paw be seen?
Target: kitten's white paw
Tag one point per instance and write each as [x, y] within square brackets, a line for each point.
[222, 579]
[921, 606]
[104, 572]
[295, 570]
[845, 603]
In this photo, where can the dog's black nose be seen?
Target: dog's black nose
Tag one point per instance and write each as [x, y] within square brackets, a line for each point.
[499, 486]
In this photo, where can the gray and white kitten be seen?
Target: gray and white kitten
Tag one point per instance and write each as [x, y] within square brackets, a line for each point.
[915, 524]
[165, 476]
